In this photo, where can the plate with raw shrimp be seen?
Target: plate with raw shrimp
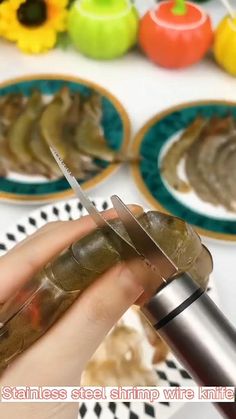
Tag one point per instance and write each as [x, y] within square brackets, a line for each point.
[83, 121]
[187, 165]
[132, 354]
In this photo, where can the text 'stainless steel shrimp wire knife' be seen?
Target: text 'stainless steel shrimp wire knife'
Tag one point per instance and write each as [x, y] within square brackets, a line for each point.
[188, 320]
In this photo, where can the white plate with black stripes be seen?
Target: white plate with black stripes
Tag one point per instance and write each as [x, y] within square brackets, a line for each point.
[169, 373]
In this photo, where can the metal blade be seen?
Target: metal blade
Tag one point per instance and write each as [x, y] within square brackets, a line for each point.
[143, 241]
[92, 210]
[128, 250]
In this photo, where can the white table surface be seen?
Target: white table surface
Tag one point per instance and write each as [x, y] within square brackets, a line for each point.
[144, 90]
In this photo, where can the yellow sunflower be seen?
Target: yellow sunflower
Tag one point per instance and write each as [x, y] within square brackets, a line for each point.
[33, 24]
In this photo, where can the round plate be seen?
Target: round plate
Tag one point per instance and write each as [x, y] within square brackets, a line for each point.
[115, 123]
[169, 373]
[152, 141]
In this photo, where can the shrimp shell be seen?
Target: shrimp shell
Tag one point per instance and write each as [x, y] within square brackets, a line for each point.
[119, 361]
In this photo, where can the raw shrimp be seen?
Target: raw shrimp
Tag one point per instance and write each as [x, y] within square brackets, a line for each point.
[206, 160]
[10, 108]
[225, 164]
[30, 313]
[41, 152]
[81, 165]
[19, 134]
[89, 137]
[175, 153]
[52, 120]
[191, 165]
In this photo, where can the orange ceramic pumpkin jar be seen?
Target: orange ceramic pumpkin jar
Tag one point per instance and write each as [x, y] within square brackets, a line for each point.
[175, 40]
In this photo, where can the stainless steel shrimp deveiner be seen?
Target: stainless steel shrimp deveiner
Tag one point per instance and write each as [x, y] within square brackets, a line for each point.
[127, 250]
[183, 314]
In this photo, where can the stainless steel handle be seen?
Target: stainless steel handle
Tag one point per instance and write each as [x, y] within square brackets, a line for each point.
[198, 333]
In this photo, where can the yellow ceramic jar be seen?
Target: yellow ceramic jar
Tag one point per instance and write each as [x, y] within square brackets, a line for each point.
[225, 45]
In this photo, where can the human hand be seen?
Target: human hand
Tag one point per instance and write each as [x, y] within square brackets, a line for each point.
[60, 356]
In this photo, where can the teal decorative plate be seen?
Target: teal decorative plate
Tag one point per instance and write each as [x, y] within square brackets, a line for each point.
[151, 143]
[116, 127]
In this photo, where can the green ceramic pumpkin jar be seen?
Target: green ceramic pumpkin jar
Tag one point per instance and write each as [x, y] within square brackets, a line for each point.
[103, 29]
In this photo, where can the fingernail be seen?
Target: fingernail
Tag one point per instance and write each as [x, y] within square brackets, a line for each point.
[137, 209]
